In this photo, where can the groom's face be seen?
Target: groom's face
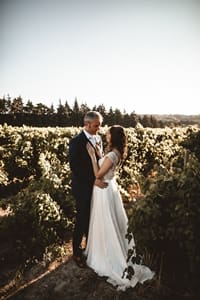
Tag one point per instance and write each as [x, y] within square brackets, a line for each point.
[93, 126]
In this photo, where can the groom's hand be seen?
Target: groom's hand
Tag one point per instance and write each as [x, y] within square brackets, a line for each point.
[100, 183]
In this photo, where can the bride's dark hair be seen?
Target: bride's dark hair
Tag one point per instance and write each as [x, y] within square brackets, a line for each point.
[118, 140]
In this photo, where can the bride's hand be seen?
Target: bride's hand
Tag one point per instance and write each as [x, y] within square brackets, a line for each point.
[98, 150]
[90, 149]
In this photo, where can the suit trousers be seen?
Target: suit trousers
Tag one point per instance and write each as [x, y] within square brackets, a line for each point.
[82, 197]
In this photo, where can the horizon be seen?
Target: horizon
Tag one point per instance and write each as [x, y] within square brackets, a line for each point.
[134, 55]
[106, 108]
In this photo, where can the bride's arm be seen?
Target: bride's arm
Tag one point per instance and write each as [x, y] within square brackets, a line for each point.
[107, 164]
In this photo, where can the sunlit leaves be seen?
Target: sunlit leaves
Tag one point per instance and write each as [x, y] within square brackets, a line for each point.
[34, 169]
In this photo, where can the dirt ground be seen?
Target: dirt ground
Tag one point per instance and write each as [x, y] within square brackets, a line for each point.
[63, 280]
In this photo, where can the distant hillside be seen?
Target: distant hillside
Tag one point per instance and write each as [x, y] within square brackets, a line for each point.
[176, 119]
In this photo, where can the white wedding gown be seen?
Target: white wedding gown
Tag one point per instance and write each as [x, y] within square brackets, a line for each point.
[107, 246]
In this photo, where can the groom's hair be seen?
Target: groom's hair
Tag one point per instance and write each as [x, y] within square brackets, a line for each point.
[92, 115]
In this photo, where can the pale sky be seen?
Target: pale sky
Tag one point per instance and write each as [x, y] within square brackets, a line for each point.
[139, 55]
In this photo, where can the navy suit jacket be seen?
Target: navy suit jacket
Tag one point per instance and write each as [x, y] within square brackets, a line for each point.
[81, 167]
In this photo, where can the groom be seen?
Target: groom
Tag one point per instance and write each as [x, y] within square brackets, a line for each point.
[83, 179]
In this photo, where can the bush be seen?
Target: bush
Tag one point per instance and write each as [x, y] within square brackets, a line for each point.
[166, 221]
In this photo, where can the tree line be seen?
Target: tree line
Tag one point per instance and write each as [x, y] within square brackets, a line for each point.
[14, 112]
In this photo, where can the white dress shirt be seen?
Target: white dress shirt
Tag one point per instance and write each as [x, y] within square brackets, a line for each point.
[91, 138]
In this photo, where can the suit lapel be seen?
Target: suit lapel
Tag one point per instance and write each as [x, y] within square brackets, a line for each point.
[91, 144]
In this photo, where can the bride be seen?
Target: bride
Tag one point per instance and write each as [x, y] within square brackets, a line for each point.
[107, 247]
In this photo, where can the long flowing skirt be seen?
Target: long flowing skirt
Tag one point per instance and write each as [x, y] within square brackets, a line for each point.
[107, 247]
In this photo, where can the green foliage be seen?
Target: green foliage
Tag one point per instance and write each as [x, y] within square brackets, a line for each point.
[38, 220]
[35, 184]
[193, 141]
[166, 220]
[40, 199]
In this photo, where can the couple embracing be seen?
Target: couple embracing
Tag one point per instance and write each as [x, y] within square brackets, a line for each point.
[100, 214]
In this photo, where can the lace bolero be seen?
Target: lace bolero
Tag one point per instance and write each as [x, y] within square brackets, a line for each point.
[115, 159]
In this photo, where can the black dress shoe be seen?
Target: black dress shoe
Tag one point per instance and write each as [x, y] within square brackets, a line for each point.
[79, 261]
